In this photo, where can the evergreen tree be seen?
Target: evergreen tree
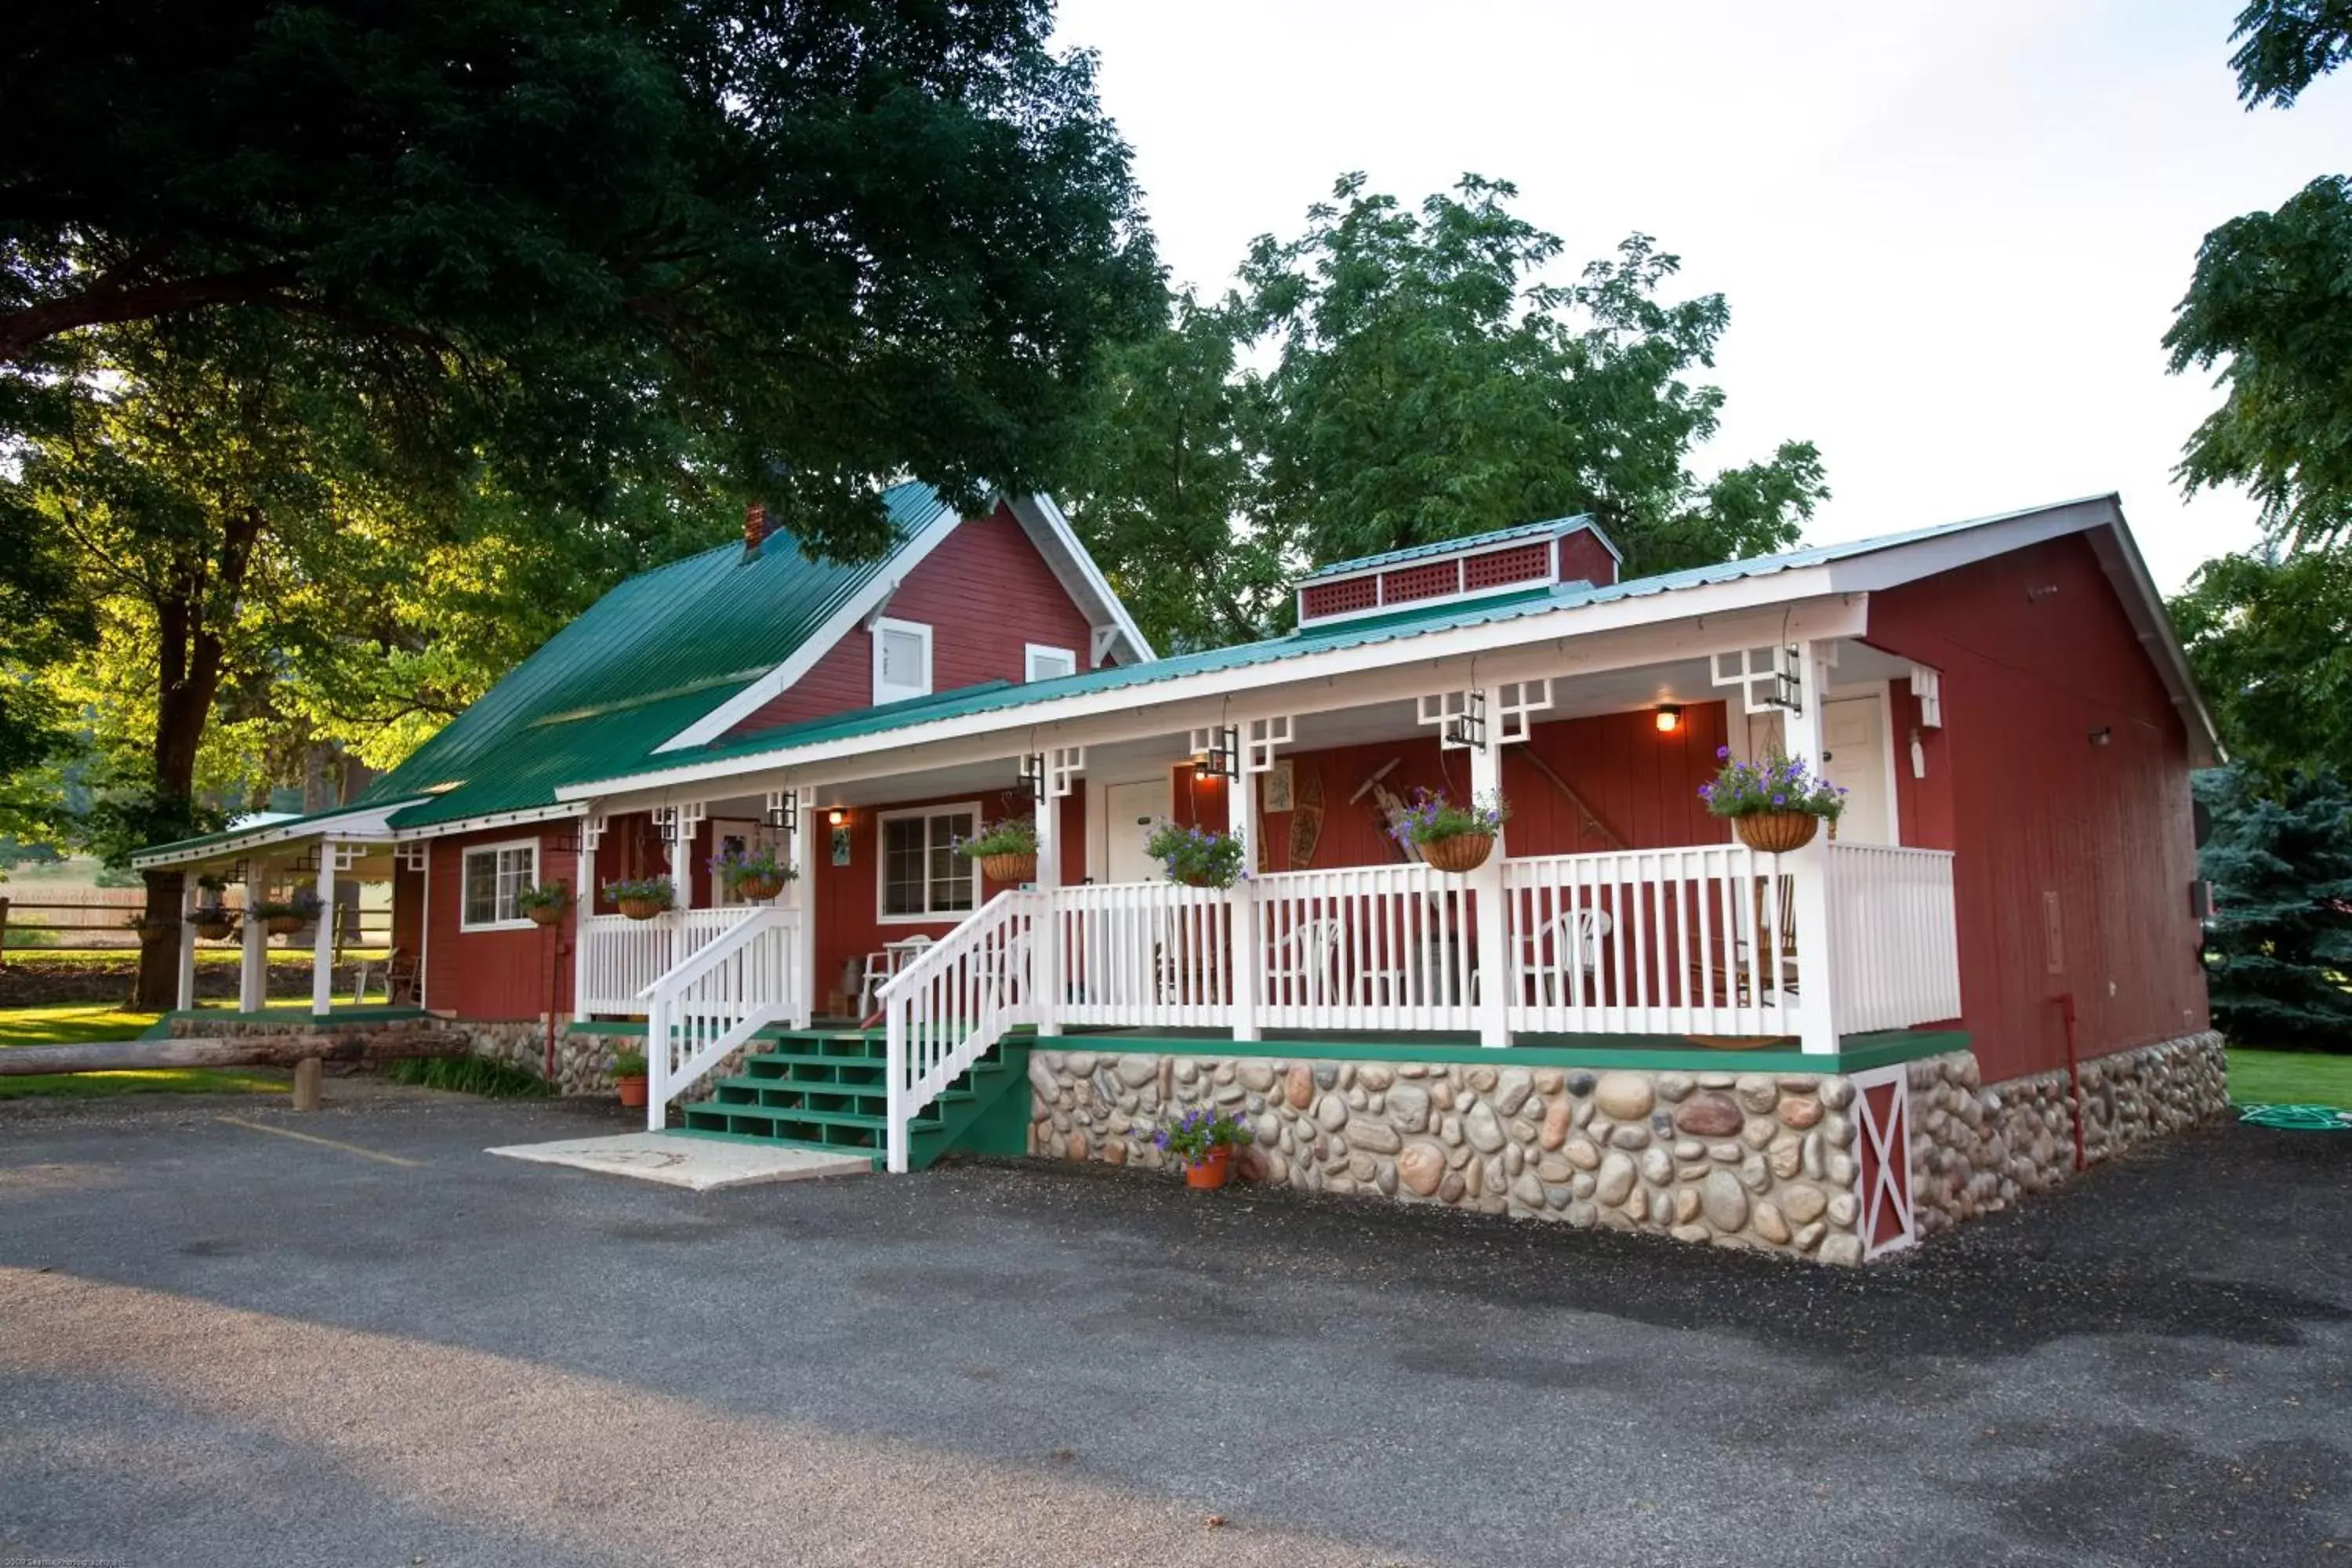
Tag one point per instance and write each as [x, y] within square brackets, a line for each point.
[2281, 937]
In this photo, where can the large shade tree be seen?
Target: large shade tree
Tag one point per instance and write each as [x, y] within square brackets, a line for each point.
[1397, 376]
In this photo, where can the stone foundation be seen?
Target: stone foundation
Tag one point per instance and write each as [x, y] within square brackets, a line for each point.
[1976, 1150]
[584, 1058]
[1769, 1162]
[1740, 1160]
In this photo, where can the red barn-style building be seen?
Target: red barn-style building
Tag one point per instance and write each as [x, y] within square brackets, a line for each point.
[1623, 1016]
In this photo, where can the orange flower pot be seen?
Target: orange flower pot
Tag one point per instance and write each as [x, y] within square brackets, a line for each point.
[1214, 1168]
[633, 1091]
[641, 909]
[1776, 832]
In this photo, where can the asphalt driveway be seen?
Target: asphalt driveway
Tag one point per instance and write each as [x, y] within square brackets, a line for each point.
[221, 1344]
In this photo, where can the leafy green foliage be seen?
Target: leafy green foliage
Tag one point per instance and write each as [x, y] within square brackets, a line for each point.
[2269, 639]
[554, 896]
[1770, 783]
[469, 1075]
[1197, 857]
[787, 250]
[654, 890]
[2281, 936]
[628, 1063]
[2284, 46]
[1006, 836]
[1193, 1135]
[1431, 816]
[1422, 381]
[2268, 303]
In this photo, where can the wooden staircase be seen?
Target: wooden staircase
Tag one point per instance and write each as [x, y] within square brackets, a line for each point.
[825, 1090]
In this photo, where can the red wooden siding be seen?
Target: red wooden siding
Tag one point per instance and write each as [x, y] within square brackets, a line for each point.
[2035, 810]
[986, 594]
[846, 900]
[1641, 784]
[1317, 599]
[407, 909]
[497, 975]
[1584, 559]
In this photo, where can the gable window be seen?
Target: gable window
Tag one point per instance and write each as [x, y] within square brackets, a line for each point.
[922, 875]
[1044, 663]
[902, 660]
[495, 875]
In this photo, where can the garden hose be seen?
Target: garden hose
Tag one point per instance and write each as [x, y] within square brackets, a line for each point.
[2297, 1117]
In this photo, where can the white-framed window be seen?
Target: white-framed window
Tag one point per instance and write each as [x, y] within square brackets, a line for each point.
[902, 660]
[922, 877]
[1042, 661]
[495, 876]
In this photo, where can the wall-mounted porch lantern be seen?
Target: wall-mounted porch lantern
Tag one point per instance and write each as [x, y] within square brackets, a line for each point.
[1669, 718]
[1033, 777]
[1216, 753]
[784, 810]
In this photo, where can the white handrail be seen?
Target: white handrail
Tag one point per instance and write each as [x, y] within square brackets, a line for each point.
[717, 997]
[944, 1010]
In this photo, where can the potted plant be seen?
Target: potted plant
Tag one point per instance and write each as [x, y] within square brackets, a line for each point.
[213, 922]
[1775, 804]
[751, 873]
[641, 898]
[1196, 857]
[1203, 1139]
[284, 917]
[1007, 849]
[629, 1076]
[544, 904]
[152, 932]
[1451, 838]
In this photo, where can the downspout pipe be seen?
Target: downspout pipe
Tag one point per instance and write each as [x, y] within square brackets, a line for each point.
[2065, 1001]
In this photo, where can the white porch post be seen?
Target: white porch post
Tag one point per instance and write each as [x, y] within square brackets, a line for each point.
[683, 827]
[253, 967]
[187, 988]
[583, 907]
[1259, 737]
[1808, 871]
[1046, 946]
[322, 941]
[799, 893]
[1486, 897]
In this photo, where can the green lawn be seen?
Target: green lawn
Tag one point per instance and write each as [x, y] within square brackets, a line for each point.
[2290, 1078]
[96, 1021]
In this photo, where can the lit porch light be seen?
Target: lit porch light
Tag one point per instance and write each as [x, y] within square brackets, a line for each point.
[1669, 718]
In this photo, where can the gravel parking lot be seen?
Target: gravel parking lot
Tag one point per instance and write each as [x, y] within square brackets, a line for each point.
[372, 1343]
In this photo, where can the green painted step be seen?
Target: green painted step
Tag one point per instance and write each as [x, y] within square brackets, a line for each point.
[824, 1090]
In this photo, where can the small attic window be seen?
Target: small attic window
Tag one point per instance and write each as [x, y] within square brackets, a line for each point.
[1040, 662]
[902, 660]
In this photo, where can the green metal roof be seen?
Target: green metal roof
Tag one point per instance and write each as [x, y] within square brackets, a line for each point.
[646, 660]
[1452, 546]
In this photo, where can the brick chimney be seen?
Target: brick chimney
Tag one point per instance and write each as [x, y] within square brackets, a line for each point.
[755, 529]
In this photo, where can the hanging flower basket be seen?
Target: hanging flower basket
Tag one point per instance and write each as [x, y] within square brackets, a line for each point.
[283, 925]
[757, 888]
[212, 926]
[642, 909]
[543, 915]
[1776, 832]
[1461, 852]
[156, 933]
[1010, 868]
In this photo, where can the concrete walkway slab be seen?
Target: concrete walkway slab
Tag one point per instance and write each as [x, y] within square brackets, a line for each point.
[701, 1164]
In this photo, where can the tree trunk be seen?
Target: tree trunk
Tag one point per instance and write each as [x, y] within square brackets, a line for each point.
[188, 660]
[236, 1050]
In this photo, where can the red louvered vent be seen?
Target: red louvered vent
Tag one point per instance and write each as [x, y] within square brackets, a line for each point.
[1318, 599]
[1406, 585]
[1520, 563]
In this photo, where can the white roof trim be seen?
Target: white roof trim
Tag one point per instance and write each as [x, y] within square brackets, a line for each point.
[1040, 512]
[867, 601]
[361, 824]
[1851, 576]
[488, 819]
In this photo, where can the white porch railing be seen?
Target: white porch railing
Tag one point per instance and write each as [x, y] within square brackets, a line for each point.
[620, 957]
[944, 1010]
[1893, 939]
[722, 993]
[1149, 953]
[1365, 947]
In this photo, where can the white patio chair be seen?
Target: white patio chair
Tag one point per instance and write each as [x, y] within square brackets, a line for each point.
[1303, 967]
[1570, 940]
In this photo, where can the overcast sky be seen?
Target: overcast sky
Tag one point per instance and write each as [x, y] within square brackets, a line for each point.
[1951, 236]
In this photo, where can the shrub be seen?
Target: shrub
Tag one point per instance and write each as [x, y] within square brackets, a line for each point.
[469, 1075]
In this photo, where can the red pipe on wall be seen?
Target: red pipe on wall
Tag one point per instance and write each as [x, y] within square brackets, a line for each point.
[2065, 1001]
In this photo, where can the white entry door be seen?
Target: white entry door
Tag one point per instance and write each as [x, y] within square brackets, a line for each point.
[1854, 757]
[1131, 814]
